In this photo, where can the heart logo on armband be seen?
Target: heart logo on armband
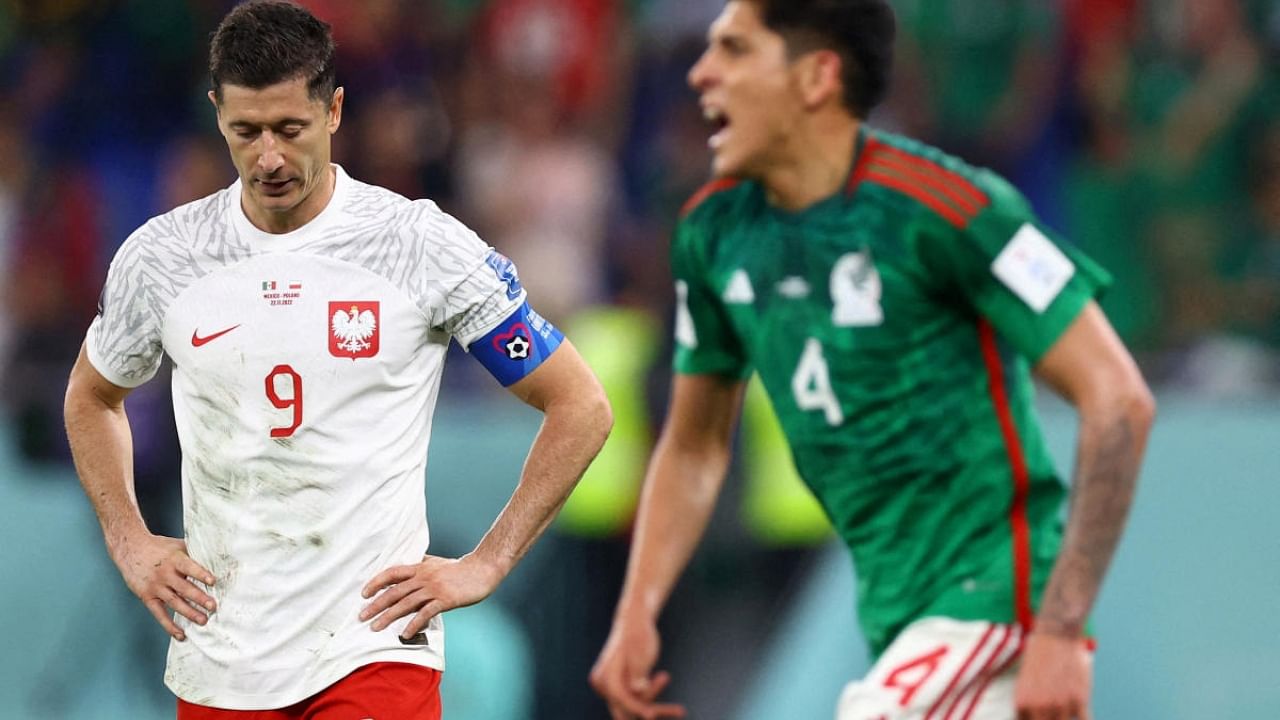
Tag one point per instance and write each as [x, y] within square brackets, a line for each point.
[514, 343]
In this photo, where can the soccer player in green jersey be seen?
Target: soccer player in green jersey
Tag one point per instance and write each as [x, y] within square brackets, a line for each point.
[894, 302]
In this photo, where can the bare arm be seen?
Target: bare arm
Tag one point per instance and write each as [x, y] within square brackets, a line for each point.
[102, 447]
[157, 569]
[577, 421]
[1090, 368]
[680, 490]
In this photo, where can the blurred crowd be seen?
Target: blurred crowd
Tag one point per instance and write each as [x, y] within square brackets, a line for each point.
[562, 130]
[1147, 131]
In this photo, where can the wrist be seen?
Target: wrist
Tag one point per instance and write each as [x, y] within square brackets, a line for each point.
[1063, 629]
[636, 609]
[492, 567]
[120, 539]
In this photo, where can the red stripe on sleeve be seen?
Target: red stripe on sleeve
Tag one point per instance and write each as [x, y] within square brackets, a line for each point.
[927, 198]
[975, 196]
[919, 172]
[1021, 481]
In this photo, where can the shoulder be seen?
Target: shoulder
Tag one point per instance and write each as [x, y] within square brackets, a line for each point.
[925, 180]
[419, 221]
[205, 210]
[713, 199]
[363, 201]
[173, 231]
[711, 211]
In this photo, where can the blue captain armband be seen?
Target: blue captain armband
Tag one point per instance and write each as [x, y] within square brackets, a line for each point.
[517, 346]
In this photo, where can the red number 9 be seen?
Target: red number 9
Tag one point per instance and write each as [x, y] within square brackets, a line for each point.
[293, 401]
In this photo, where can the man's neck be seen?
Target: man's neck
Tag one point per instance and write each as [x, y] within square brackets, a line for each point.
[817, 164]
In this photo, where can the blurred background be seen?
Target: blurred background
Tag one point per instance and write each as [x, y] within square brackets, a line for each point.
[1148, 131]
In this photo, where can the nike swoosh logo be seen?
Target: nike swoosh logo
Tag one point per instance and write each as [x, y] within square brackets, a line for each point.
[197, 341]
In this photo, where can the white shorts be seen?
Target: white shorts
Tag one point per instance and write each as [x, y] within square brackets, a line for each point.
[939, 669]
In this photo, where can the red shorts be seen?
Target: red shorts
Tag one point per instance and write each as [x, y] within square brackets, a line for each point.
[383, 691]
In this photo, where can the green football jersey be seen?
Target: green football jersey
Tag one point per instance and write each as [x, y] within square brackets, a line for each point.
[894, 325]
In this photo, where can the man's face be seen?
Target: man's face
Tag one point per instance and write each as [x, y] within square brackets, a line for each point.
[279, 139]
[747, 91]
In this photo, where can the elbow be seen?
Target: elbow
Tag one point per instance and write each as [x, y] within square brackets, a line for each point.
[586, 414]
[598, 415]
[1139, 407]
[73, 401]
[1121, 405]
[1128, 408]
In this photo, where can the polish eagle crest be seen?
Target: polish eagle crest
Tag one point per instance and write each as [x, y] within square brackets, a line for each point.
[353, 329]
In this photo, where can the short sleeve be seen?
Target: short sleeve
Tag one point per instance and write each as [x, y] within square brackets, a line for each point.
[1017, 273]
[123, 342]
[705, 340]
[483, 290]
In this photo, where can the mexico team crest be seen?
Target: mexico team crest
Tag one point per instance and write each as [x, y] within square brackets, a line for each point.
[353, 328]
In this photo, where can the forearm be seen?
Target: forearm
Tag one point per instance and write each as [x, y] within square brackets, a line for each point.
[679, 496]
[571, 435]
[102, 448]
[1108, 458]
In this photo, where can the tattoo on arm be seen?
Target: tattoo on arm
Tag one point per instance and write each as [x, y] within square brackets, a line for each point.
[1106, 474]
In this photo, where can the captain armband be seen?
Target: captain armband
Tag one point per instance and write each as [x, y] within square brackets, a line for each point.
[517, 346]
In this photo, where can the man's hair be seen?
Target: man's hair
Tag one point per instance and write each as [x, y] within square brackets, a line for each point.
[263, 42]
[860, 31]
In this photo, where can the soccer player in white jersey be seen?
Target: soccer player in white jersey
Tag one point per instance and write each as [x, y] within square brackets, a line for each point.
[307, 316]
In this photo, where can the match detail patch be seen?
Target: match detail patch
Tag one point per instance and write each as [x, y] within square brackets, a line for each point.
[1033, 268]
[506, 272]
[517, 346]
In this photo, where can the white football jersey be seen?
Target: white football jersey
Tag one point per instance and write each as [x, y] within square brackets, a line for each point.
[305, 371]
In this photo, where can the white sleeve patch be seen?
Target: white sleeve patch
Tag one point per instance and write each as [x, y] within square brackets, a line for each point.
[1033, 267]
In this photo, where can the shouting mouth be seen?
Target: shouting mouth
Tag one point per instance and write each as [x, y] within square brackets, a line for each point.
[719, 122]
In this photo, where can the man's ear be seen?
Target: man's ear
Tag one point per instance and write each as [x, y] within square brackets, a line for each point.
[335, 110]
[820, 77]
[217, 112]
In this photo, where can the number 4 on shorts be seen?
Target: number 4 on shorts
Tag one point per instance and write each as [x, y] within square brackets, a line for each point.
[910, 676]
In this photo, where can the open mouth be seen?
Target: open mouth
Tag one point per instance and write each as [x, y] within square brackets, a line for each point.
[719, 123]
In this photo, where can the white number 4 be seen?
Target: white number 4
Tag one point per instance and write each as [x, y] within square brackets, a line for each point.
[811, 385]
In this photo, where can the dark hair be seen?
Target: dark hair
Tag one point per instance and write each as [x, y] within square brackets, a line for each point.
[263, 42]
[861, 31]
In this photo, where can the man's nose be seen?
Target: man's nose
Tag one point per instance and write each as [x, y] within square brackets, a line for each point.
[699, 76]
[270, 159]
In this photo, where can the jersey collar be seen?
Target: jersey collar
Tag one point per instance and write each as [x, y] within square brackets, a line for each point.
[262, 240]
[831, 203]
[857, 168]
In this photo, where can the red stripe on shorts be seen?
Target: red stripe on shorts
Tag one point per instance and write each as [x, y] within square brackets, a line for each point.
[981, 679]
[956, 678]
[997, 672]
